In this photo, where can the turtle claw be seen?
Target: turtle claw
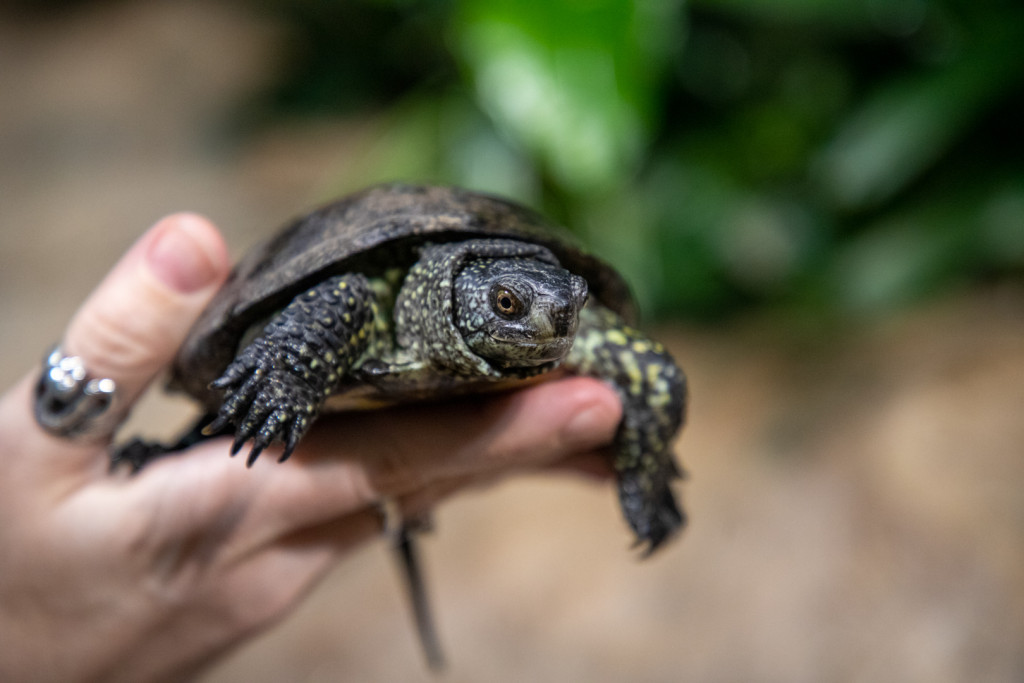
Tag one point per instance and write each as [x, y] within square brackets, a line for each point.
[650, 508]
[266, 408]
[215, 427]
[137, 454]
[224, 381]
[275, 386]
[256, 361]
[253, 454]
[290, 443]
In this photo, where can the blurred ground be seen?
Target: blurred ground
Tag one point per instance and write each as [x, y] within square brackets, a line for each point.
[856, 499]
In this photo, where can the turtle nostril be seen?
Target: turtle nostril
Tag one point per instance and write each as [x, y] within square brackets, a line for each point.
[580, 290]
[564, 323]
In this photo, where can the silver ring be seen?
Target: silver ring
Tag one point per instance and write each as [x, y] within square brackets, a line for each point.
[72, 405]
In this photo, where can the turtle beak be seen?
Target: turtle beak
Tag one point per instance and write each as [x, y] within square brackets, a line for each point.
[563, 317]
[563, 323]
[580, 292]
[555, 324]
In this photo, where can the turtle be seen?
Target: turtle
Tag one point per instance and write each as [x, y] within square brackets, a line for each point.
[401, 293]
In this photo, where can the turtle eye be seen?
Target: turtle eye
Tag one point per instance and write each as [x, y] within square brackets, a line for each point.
[506, 303]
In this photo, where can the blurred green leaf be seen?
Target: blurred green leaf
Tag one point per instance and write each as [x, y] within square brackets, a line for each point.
[1001, 231]
[930, 245]
[910, 122]
[444, 139]
[576, 83]
[818, 155]
[895, 15]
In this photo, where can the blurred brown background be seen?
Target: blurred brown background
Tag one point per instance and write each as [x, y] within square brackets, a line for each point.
[855, 490]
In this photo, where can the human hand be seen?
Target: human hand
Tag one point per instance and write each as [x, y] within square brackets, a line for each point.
[150, 577]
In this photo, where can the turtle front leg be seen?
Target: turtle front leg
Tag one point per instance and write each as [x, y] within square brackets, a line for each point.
[652, 389]
[277, 384]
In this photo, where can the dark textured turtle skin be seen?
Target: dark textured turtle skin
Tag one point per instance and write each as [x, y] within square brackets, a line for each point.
[340, 310]
[371, 232]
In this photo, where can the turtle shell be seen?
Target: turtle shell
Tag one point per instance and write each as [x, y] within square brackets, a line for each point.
[368, 232]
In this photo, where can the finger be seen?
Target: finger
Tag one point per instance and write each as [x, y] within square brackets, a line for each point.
[130, 326]
[596, 465]
[349, 463]
[263, 585]
[356, 459]
[322, 542]
[529, 428]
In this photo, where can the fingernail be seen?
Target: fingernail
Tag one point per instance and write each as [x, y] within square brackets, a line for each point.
[592, 427]
[179, 258]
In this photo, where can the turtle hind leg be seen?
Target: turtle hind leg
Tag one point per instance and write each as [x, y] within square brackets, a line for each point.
[277, 384]
[650, 507]
[652, 389]
[137, 453]
[646, 470]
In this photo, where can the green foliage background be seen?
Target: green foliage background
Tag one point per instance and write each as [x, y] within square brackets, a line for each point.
[832, 157]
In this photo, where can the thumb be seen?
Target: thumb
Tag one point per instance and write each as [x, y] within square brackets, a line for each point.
[133, 323]
[130, 327]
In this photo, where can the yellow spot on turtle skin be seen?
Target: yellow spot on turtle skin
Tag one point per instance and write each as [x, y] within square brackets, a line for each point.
[362, 333]
[616, 337]
[346, 318]
[641, 346]
[329, 356]
[343, 285]
[314, 364]
[281, 417]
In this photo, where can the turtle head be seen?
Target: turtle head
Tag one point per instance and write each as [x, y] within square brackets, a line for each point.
[518, 312]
